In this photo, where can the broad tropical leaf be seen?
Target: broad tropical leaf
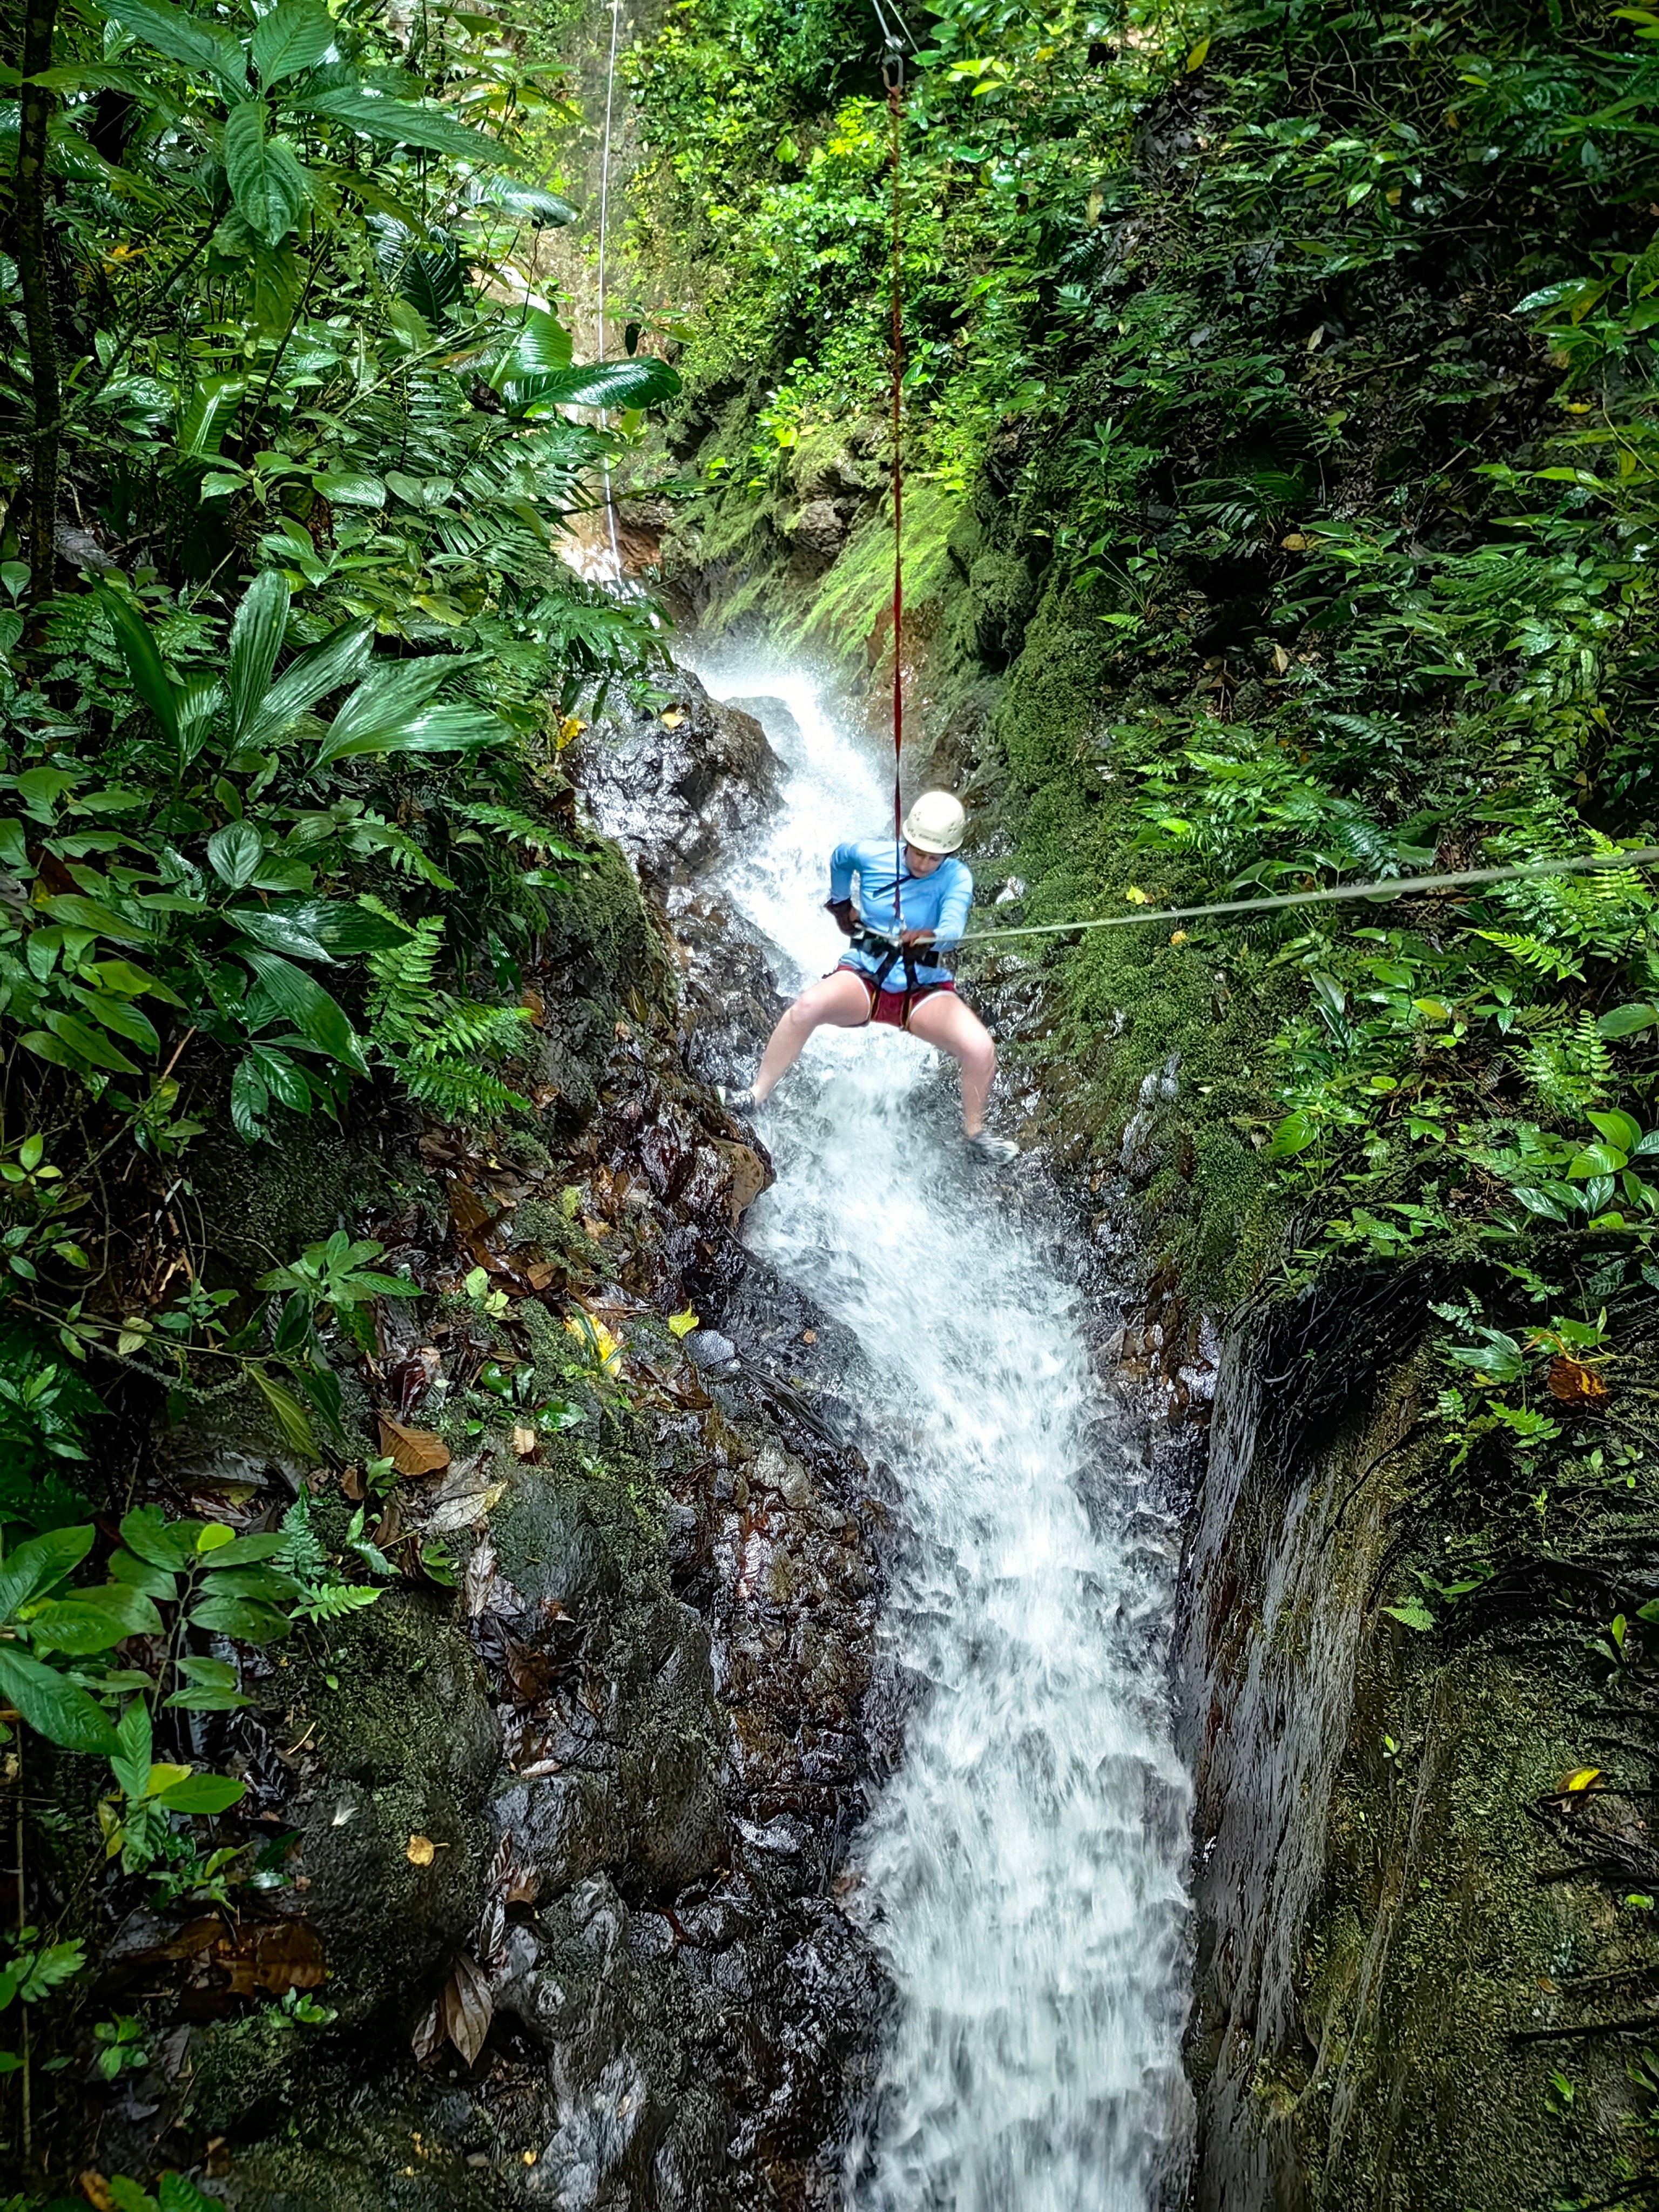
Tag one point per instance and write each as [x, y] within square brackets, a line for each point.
[256, 639]
[295, 35]
[53, 1706]
[267, 181]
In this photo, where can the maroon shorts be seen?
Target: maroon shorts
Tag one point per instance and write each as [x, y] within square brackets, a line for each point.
[890, 1008]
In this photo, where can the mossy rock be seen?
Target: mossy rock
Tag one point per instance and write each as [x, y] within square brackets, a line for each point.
[408, 1746]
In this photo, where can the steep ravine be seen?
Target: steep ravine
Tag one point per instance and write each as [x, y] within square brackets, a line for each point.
[559, 1846]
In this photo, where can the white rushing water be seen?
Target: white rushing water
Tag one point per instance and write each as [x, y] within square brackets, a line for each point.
[1021, 1872]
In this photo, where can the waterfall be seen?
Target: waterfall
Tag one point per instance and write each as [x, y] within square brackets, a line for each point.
[1020, 1872]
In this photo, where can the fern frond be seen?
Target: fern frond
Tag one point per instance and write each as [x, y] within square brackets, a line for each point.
[523, 828]
[336, 1601]
[370, 834]
[461, 1093]
[1546, 960]
[302, 1555]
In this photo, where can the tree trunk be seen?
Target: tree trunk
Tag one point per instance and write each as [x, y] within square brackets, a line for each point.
[34, 270]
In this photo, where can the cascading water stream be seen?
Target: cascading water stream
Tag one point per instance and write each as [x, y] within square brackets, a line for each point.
[1020, 1873]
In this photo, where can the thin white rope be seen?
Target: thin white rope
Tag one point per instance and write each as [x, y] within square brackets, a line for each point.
[1389, 887]
[605, 224]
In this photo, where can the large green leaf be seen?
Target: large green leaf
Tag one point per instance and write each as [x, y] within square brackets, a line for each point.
[341, 658]
[168, 1543]
[90, 1046]
[234, 852]
[288, 991]
[542, 346]
[151, 678]
[35, 1566]
[643, 382]
[281, 929]
[248, 1621]
[93, 914]
[454, 729]
[295, 35]
[181, 37]
[90, 1620]
[529, 201]
[267, 181]
[205, 420]
[400, 123]
[317, 929]
[55, 1708]
[256, 639]
[202, 1793]
[120, 1015]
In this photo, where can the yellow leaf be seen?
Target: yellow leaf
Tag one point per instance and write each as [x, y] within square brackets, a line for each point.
[1295, 542]
[422, 1850]
[682, 1324]
[163, 1775]
[569, 730]
[1195, 60]
[1178, 936]
[672, 719]
[1136, 897]
[604, 1350]
[1581, 1779]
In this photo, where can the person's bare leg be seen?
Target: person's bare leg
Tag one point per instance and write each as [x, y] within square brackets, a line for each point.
[839, 1001]
[944, 1021]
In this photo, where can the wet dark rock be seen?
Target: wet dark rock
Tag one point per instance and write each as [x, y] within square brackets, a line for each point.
[408, 1747]
[674, 794]
[710, 1349]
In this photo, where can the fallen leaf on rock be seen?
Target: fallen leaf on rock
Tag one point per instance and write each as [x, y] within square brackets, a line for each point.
[412, 1451]
[524, 1440]
[466, 2009]
[809, 1336]
[270, 1959]
[539, 1273]
[1581, 1779]
[682, 1324]
[672, 719]
[422, 1850]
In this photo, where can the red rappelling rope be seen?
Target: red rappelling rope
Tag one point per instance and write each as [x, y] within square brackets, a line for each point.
[892, 71]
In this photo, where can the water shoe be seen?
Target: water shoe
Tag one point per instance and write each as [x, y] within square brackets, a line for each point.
[991, 1151]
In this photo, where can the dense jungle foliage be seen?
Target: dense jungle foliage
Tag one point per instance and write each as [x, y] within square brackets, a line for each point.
[1282, 496]
[289, 435]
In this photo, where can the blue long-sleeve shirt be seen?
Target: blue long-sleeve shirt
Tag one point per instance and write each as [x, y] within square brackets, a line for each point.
[939, 901]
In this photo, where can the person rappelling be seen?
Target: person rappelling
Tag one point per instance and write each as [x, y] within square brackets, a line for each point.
[903, 904]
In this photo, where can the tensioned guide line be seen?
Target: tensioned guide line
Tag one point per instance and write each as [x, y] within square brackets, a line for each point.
[1389, 887]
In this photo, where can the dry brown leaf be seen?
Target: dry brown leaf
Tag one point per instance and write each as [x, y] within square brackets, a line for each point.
[809, 1336]
[427, 2032]
[1575, 1384]
[539, 1273]
[95, 2190]
[467, 2008]
[524, 1440]
[270, 1959]
[412, 1451]
[422, 1850]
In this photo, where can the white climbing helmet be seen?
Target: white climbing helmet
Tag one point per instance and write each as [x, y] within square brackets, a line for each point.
[936, 823]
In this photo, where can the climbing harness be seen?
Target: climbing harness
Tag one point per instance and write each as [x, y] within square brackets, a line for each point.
[1389, 887]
